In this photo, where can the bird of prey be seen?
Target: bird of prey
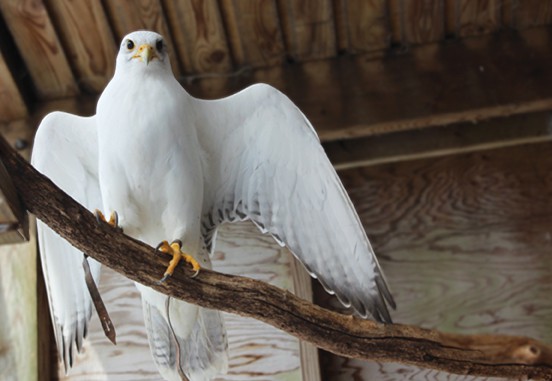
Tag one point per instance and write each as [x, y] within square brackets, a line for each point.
[175, 168]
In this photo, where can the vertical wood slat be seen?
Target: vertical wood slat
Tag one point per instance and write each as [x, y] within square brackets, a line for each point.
[309, 29]
[302, 287]
[199, 36]
[38, 44]
[530, 13]
[365, 25]
[423, 21]
[253, 32]
[128, 16]
[86, 35]
[473, 17]
[12, 105]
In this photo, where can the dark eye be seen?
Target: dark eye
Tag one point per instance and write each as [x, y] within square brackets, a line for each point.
[130, 44]
[159, 45]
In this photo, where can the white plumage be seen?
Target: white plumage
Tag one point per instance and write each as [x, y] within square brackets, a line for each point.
[176, 167]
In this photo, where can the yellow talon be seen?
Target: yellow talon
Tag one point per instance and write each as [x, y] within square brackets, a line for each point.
[174, 249]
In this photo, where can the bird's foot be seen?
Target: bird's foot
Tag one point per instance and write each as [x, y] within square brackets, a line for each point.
[113, 219]
[174, 249]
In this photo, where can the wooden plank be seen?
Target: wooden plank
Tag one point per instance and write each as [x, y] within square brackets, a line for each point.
[423, 21]
[18, 272]
[14, 221]
[474, 18]
[366, 25]
[128, 16]
[18, 331]
[254, 32]
[38, 44]
[465, 243]
[257, 351]
[434, 85]
[309, 29]
[86, 35]
[440, 141]
[199, 36]
[12, 106]
[396, 16]
[530, 13]
[302, 287]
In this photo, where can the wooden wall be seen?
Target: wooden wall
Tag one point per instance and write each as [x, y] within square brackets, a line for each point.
[53, 48]
[465, 243]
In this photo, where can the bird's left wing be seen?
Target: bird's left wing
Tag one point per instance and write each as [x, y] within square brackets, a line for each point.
[264, 162]
[66, 151]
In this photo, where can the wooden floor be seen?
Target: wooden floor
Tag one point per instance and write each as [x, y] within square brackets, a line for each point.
[465, 241]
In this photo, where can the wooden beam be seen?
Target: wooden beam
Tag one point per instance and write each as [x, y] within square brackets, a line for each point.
[364, 25]
[474, 17]
[38, 44]
[309, 29]
[199, 36]
[530, 13]
[423, 21]
[12, 106]
[87, 38]
[254, 32]
[432, 85]
[128, 16]
[440, 141]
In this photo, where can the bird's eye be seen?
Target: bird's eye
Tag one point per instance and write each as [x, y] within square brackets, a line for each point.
[130, 44]
[159, 45]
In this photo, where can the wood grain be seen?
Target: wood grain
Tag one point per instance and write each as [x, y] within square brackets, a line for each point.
[199, 36]
[128, 16]
[88, 41]
[257, 351]
[423, 21]
[38, 44]
[18, 331]
[530, 13]
[12, 105]
[309, 29]
[472, 18]
[254, 33]
[465, 243]
[365, 25]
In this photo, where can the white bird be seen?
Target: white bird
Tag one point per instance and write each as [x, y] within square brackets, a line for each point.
[175, 168]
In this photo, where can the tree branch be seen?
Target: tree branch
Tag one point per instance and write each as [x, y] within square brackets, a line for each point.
[483, 355]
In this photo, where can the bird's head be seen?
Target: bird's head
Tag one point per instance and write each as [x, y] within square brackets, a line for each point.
[143, 49]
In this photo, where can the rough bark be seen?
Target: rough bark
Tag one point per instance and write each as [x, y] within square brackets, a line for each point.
[482, 355]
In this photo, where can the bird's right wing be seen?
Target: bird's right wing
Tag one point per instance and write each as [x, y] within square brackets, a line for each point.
[66, 151]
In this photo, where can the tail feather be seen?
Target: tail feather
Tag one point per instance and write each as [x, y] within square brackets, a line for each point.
[200, 356]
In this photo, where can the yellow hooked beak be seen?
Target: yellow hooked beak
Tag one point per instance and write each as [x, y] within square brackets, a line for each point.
[145, 53]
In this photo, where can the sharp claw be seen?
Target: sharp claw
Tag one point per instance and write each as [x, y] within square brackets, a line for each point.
[158, 246]
[195, 274]
[98, 215]
[162, 280]
[116, 219]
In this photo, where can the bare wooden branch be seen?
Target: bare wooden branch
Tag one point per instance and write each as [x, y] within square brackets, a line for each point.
[483, 355]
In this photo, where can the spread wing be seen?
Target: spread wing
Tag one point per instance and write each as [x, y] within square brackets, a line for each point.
[264, 162]
[65, 150]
